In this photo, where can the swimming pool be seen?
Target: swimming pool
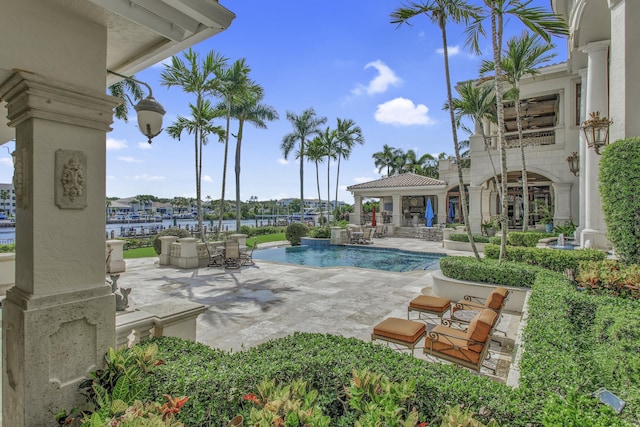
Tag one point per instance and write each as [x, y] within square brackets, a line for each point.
[386, 259]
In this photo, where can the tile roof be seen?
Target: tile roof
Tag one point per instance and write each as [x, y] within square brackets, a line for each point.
[403, 180]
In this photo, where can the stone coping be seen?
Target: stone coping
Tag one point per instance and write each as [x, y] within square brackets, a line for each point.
[455, 290]
[461, 246]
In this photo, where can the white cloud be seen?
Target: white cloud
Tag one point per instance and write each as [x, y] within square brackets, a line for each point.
[380, 83]
[129, 159]
[144, 146]
[6, 161]
[145, 177]
[207, 178]
[451, 50]
[403, 112]
[283, 161]
[115, 144]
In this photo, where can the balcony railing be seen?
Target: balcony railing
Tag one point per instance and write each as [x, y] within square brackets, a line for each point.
[529, 138]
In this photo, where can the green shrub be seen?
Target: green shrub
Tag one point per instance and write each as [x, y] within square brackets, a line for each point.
[553, 259]
[245, 229]
[496, 240]
[180, 232]
[5, 249]
[529, 238]
[575, 340]
[489, 271]
[323, 232]
[619, 188]
[295, 231]
[460, 237]
[610, 277]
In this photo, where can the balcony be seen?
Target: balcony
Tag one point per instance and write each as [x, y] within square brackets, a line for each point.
[530, 138]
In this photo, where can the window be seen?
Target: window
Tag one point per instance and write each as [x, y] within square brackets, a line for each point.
[578, 102]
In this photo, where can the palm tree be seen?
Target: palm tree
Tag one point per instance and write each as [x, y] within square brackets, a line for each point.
[330, 141]
[234, 83]
[441, 11]
[249, 110]
[304, 126]
[477, 103]
[198, 78]
[523, 56]
[386, 158]
[542, 23]
[348, 135]
[200, 125]
[316, 151]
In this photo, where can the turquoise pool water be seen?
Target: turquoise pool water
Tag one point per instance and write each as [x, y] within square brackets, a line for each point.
[386, 259]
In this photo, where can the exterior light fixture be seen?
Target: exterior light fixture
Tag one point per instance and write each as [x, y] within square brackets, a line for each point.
[596, 131]
[574, 163]
[150, 111]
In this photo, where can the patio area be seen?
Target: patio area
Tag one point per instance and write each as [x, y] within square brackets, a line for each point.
[258, 303]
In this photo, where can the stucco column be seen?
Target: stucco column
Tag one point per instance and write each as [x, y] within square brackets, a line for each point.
[597, 100]
[59, 319]
[357, 211]
[475, 208]
[397, 210]
[562, 203]
[582, 153]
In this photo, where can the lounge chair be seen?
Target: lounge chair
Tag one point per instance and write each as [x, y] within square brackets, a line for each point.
[381, 230]
[464, 348]
[463, 311]
[366, 236]
[216, 255]
[231, 254]
[246, 257]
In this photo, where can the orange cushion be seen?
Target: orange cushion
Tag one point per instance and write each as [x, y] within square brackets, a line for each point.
[400, 329]
[496, 298]
[452, 342]
[481, 325]
[430, 303]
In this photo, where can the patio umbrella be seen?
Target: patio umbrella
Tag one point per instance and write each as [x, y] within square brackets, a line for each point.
[373, 216]
[429, 213]
[452, 212]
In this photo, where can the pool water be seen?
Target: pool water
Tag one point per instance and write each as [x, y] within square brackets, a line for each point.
[386, 259]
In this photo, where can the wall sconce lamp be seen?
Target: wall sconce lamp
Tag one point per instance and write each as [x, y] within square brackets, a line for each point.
[574, 163]
[150, 111]
[596, 131]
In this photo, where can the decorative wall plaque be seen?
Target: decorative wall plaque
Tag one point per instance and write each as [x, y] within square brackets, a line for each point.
[71, 179]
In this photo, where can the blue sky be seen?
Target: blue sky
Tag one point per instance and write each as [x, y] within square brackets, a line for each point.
[342, 58]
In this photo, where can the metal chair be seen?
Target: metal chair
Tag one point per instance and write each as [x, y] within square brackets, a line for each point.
[232, 254]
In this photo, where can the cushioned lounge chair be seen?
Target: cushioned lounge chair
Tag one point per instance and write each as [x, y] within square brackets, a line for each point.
[464, 348]
[429, 305]
[463, 311]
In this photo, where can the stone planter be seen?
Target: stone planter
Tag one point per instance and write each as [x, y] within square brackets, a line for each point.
[461, 246]
[455, 290]
[311, 241]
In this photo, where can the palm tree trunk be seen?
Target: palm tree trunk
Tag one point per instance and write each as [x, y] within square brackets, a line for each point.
[224, 168]
[237, 170]
[318, 183]
[302, 180]
[199, 189]
[525, 187]
[493, 166]
[328, 187]
[496, 39]
[456, 145]
[335, 207]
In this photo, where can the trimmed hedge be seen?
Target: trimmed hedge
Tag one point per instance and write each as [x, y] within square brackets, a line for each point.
[295, 231]
[526, 238]
[478, 238]
[489, 271]
[553, 259]
[619, 178]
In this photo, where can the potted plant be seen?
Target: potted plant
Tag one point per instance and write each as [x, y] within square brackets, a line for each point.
[489, 227]
[545, 214]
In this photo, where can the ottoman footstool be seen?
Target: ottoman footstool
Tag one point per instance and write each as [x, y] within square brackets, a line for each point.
[428, 304]
[402, 332]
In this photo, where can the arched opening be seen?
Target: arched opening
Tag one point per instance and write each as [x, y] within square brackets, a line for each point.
[454, 204]
[540, 192]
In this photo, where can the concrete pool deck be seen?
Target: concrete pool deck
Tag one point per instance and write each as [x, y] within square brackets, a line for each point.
[255, 304]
